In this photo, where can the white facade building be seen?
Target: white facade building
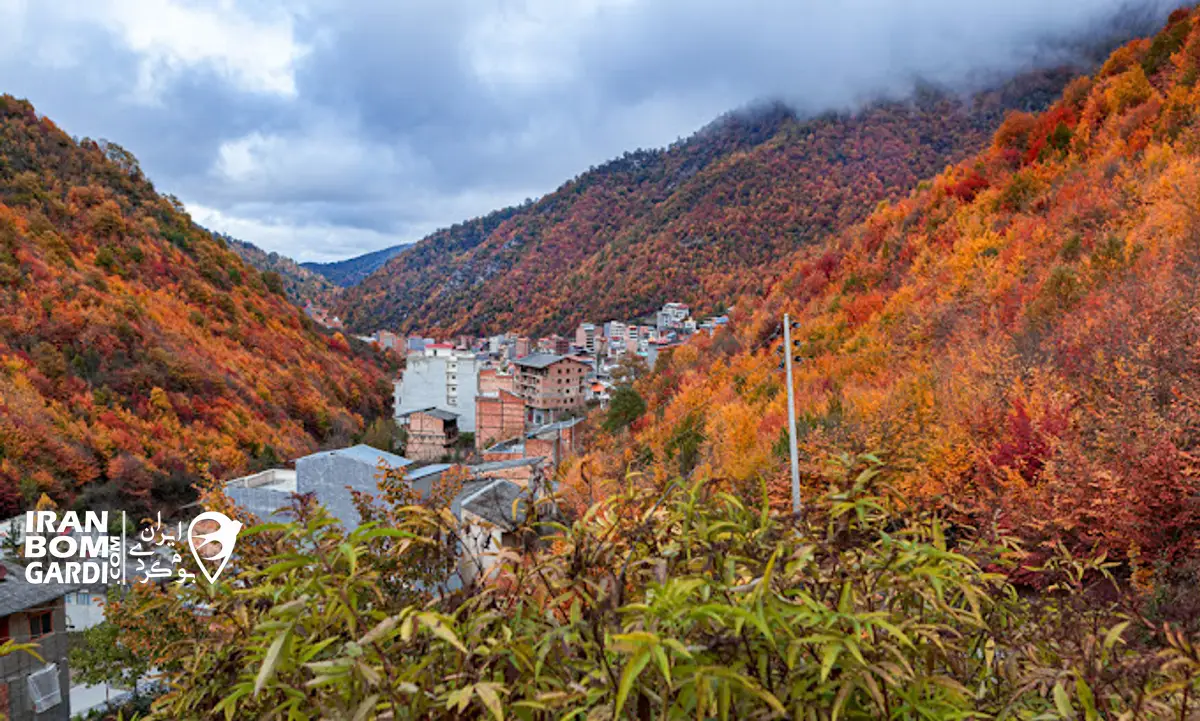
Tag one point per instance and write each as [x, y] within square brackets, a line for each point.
[585, 337]
[672, 315]
[439, 377]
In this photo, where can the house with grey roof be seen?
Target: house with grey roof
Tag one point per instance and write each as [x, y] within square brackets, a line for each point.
[490, 505]
[32, 689]
[330, 476]
[84, 606]
[491, 511]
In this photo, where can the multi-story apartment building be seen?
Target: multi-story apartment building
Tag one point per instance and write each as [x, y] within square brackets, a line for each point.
[439, 377]
[551, 385]
[499, 416]
[616, 332]
[672, 315]
[585, 337]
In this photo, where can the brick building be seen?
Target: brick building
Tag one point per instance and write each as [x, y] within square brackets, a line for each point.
[389, 340]
[432, 434]
[551, 385]
[499, 416]
[555, 441]
[550, 444]
[492, 381]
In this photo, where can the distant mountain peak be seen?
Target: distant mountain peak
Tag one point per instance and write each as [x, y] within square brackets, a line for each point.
[352, 271]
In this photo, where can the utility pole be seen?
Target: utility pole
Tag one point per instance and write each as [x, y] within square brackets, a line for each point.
[791, 397]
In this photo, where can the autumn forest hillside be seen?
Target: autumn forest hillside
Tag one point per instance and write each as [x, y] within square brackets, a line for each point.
[1021, 335]
[136, 349]
[702, 221]
[300, 284]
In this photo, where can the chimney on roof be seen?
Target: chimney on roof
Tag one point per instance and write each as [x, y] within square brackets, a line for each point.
[3, 571]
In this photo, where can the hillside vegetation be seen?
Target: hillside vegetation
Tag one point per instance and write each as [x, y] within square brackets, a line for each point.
[701, 222]
[1019, 335]
[135, 347]
[301, 285]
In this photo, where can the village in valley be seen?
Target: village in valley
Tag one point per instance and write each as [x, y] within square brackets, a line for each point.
[500, 414]
[340, 428]
[503, 411]
[499, 391]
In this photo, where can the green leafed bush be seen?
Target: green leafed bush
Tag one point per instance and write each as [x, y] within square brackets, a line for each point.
[684, 602]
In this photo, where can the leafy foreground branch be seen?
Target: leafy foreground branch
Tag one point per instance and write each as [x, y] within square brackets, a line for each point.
[687, 603]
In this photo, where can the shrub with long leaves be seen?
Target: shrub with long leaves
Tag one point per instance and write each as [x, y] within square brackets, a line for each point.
[684, 602]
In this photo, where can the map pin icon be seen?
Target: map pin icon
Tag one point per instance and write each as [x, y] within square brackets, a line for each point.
[211, 536]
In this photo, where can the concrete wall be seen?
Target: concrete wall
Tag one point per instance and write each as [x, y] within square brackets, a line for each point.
[423, 385]
[16, 668]
[85, 608]
[328, 474]
[427, 383]
[463, 375]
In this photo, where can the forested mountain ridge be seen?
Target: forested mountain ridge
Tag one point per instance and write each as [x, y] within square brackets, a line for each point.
[300, 284]
[352, 271]
[700, 222]
[1019, 334]
[136, 349]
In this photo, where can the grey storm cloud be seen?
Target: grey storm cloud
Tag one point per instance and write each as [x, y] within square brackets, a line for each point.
[325, 129]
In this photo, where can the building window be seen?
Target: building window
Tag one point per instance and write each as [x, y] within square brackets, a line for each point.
[41, 623]
[83, 598]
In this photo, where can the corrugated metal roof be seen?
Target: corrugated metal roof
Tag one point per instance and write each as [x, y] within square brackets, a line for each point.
[513, 445]
[493, 466]
[500, 502]
[425, 471]
[366, 454]
[539, 360]
[553, 427]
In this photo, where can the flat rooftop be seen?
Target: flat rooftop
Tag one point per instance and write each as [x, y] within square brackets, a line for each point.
[282, 480]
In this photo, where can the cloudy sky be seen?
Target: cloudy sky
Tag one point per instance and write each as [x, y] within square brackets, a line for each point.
[325, 129]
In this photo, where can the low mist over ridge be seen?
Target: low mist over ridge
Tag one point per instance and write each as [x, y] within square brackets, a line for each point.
[270, 122]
